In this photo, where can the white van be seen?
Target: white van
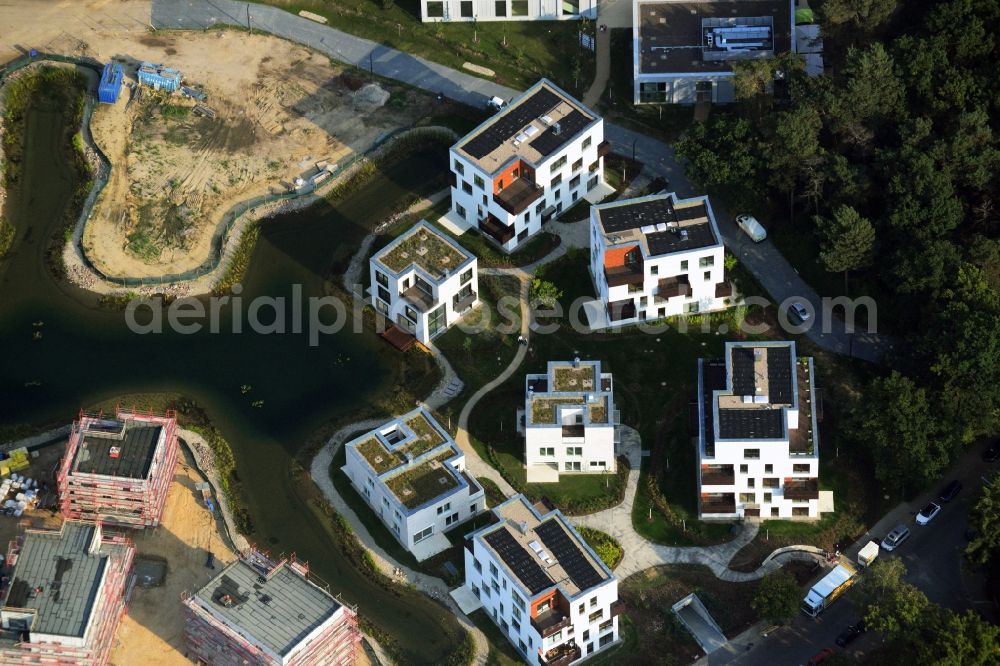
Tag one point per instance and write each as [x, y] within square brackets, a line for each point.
[495, 103]
[751, 227]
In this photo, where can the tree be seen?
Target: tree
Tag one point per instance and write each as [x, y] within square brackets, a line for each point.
[724, 152]
[848, 241]
[795, 146]
[859, 15]
[545, 293]
[777, 597]
[959, 640]
[984, 519]
[909, 444]
[892, 606]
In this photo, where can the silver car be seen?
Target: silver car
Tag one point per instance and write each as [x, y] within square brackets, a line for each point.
[893, 539]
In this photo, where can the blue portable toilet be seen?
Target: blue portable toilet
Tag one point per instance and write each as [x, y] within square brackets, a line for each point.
[32, 53]
[159, 77]
[111, 83]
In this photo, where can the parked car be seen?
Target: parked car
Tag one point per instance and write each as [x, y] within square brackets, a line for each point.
[950, 491]
[751, 227]
[992, 451]
[893, 539]
[495, 103]
[928, 513]
[821, 656]
[799, 312]
[848, 635]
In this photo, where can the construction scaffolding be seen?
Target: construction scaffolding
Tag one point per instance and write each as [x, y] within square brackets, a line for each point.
[225, 623]
[118, 470]
[28, 615]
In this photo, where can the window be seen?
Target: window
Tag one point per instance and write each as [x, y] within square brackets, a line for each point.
[769, 469]
[436, 321]
[466, 9]
[684, 265]
[478, 180]
[556, 182]
[653, 92]
[435, 8]
[515, 626]
[496, 588]
[423, 534]
[383, 293]
[744, 468]
[459, 167]
[556, 637]
[466, 187]
[595, 616]
[522, 235]
[397, 515]
[775, 512]
[704, 262]
[558, 164]
[518, 603]
[466, 276]
[751, 483]
[539, 208]
[574, 451]
[451, 520]
[460, 210]
[524, 648]
[547, 451]
[606, 638]
[748, 498]
[444, 507]
[751, 454]
[654, 270]
[586, 143]
[501, 7]
[544, 606]
[570, 7]
[586, 635]
[607, 624]
[381, 279]
[767, 498]
[478, 565]
[800, 469]
[771, 483]
[800, 511]
[499, 185]
[486, 591]
[593, 167]
[578, 165]
[573, 467]
[579, 609]
[518, 7]
[385, 502]
[707, 275]
[494, 570]
[574, 181]
[691, 308]
[593, 602]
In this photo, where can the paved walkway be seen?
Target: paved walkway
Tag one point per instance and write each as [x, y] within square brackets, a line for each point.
[602, 69]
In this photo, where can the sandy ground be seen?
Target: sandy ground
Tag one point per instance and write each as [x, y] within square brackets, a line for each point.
[280, 110]
[153, 631]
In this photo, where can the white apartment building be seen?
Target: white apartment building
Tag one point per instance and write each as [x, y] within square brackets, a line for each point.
[655, 257]
[433, 11]
[569, 421]
[412, 474]
[758, 442]
[683, 52]
[423, 281]
[525, 165]
[540, 582]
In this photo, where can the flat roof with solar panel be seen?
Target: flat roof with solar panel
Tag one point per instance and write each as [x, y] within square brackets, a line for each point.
[761, 390]
[542, 551]
[661, 223]
[532, 127]
[690, 37]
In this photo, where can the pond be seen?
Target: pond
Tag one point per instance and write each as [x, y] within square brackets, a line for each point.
[87, 355]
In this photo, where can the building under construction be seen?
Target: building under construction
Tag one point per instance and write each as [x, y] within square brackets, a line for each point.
[118, 470]
[65, 595]
[266, 613]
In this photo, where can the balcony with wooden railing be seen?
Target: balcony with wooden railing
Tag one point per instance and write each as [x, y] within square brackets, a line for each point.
[562, 655]
[516, 197]
[678, 285]
[630, 274]
[717, 475]
[496, 229]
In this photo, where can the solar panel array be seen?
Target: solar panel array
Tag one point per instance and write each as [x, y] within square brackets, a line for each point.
[779, 375]
[633, 216]
[519, 560]
[743, 372]
[676, 240]
[751, 423]
[549, 142]
[573, 561]
[508, 124]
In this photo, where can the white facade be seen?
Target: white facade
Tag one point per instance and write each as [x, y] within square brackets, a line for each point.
[543, 611]
[424, 294]
[432, 11]
[527, 164]
[655, 257]
[412, 474]
[673, 61]
[570, 419]
[758, 446]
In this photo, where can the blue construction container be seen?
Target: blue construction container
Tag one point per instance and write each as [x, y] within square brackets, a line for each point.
[159, 77]
[111, 83]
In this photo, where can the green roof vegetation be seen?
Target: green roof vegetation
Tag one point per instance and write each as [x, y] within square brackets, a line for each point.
[425, 248]
[568, 378]
[423, 482]
[379, 457]
[599, 411]
[543, 410]
[427, 436]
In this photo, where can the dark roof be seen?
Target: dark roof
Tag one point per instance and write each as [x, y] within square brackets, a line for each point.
[751, 423]
[568, 554]
[638, 214]
[508, 124]
[779, 374]
[714, 379]
[549, 142]
[670, 33]
[676, 240]
[278, 611]
[661, 210]
[68, 575]
[518, 560]
[744, 382]
[135, 453]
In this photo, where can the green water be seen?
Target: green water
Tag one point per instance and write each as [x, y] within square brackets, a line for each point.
[88, 355]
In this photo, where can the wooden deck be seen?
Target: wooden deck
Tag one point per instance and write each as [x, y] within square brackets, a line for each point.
[399, 338]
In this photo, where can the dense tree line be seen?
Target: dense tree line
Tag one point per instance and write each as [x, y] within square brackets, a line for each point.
[891, 160]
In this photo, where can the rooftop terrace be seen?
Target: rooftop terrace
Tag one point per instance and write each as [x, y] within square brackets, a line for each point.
[571, 384]
[425, 247]
[535, 125]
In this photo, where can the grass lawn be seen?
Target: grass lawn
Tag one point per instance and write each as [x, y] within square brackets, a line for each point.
[502, 653]
[520, 52]
[660, 637]
[490, 256]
